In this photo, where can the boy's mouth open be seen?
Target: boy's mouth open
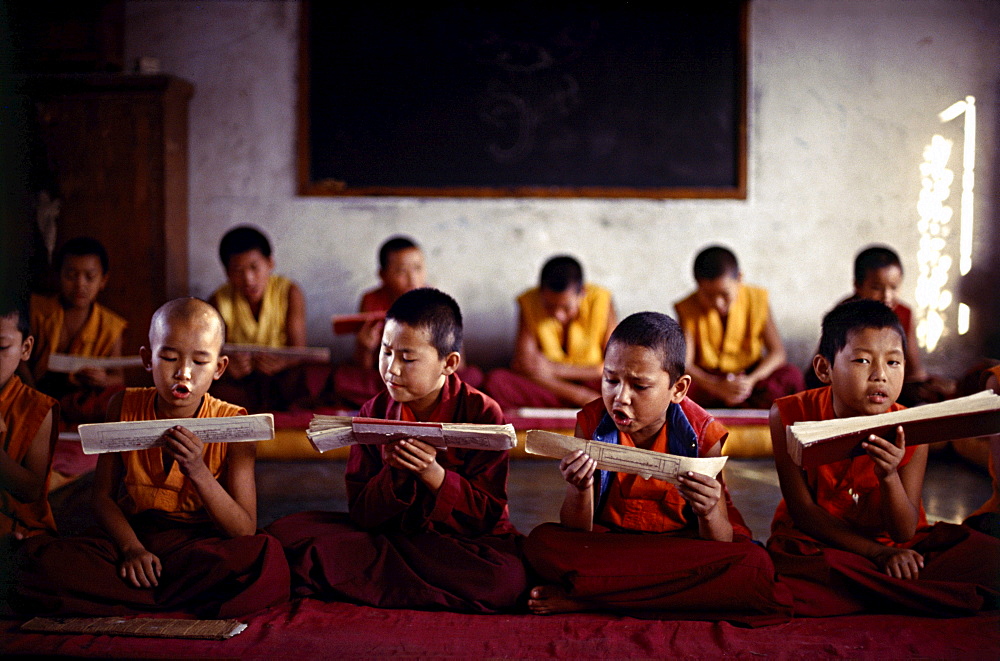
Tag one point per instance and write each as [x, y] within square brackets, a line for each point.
[180, 391]
[620, 418]
[878, 397]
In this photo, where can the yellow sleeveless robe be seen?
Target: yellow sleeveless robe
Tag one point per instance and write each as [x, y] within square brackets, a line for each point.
[585, 344]
[733, 348]
[242, 327]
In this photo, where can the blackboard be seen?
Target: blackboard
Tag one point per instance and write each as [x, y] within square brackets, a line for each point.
[604, 99]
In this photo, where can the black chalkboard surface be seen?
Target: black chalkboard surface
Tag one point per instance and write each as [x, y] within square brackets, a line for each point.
[560, 99]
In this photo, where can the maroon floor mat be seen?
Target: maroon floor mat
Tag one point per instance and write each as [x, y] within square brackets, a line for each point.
[308, 629]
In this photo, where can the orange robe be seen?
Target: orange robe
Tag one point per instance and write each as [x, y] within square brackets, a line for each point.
[23, 410]
[96, 338]
[402, 546]
[961, 570]
[204, 573]
[644, 556]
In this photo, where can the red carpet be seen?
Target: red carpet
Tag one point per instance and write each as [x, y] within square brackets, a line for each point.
[307, 629]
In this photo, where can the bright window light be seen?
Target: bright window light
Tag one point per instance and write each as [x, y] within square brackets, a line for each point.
[933, 297]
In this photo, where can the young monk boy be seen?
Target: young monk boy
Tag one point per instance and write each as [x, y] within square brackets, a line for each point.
[261, 308]
[878, 275]
[177, 523]
[27, 439]
[563, 326]
[401, 269]
[426, 528]
[73, 322]
[643, 546]
[735, 355]
[851, 536]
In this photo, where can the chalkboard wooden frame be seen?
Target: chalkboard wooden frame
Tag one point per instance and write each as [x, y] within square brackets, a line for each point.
[312, 181]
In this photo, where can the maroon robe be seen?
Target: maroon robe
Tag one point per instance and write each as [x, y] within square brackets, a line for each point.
[210, 576]
[961, 573]
[402, 546]
[204, 573]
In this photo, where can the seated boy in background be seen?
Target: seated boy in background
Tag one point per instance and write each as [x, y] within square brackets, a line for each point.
[735, 355]
[426, 528]
[878, 275]
[563, 326]
[851, 536]
[401, 269]
[73, 322]
[644, 546]
[259, 308]
[178, 522]
[28, 428]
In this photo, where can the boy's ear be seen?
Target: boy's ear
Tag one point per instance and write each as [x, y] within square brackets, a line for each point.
[147, 358]
[451, 363]
[822, 367]
[220, 367]
[26, 347]
[104, 282]
[681, 387]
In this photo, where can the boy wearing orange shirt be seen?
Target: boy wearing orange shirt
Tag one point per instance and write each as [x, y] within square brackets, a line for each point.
[177, 522]
[27, 438]
[644, 546]
[852, 536]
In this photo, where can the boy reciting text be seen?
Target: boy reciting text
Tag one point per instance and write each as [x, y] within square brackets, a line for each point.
[563, 326]
[259, 308]
[427, 528]
[178, 521]
[643, 546]
[851, 535]
[73, 322]
[735, 355]
[27, 439]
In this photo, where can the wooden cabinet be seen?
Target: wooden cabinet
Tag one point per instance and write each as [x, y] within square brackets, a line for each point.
[117, 146]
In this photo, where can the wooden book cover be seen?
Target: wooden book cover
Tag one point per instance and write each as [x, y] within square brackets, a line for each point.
[147, 627]
[352, 323]
[818, 442]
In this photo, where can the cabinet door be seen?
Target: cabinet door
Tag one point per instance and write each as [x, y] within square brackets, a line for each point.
[119, 154]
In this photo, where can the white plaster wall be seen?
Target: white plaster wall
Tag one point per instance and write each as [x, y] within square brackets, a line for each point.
[843, 97]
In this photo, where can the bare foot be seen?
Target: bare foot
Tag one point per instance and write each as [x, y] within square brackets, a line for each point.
[550, 599]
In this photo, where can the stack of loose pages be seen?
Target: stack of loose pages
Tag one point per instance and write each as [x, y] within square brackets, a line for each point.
[327, 432]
